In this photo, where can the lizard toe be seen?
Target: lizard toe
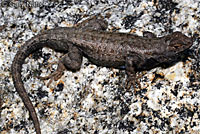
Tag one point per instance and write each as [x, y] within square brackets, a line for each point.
[55, 75]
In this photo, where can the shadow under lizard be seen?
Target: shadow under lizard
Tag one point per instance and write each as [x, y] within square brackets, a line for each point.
[103, 48]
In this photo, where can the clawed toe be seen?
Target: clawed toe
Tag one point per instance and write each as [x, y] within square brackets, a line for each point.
[55, 75]
[129, 83]
[133, 81]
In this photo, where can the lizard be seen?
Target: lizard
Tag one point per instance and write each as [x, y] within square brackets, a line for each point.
[103, 48]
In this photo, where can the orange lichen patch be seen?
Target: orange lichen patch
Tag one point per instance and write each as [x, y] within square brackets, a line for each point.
[51, 90]
[67, 24]
[4, 132]
[7, 127]
[108, 15]
[92, 66]
[112, 29]
[64, 113]
[50, 104]
[133, 30]
[32, 85]
[171, 76]
[6, 43]
[175, 18]
[157, 76]
[77, 80]
[60, 82]
[81, 10]
[75, 115]
[155, 2]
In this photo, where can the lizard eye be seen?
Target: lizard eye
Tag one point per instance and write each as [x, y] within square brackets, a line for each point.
[176, 46]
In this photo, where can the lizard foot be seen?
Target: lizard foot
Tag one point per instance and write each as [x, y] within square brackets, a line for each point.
[55, 75]
[129, 83]
[132, 81]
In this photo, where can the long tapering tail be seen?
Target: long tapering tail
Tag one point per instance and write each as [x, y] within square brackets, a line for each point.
[50, 38]
[16, 69]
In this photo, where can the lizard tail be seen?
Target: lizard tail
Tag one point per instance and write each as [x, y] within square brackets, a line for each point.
[16, 68]
[46, 39]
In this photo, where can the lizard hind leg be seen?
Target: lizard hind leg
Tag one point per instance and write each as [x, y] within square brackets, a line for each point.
[55, 75]
[72, 61]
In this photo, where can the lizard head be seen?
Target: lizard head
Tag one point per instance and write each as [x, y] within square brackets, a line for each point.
[177, 43]
[176, 46]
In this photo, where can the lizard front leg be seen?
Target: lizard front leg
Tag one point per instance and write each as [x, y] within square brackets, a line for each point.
[149, 35]
[94, 23]
[71, 61]
[132, 62]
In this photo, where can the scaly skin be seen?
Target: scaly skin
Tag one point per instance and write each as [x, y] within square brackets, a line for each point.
[101, 48]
